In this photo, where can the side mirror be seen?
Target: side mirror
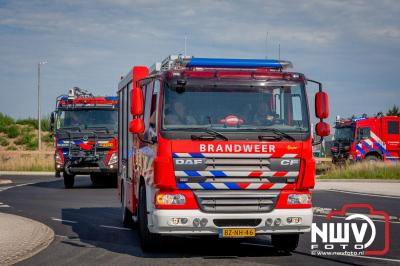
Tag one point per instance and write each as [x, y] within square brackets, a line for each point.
[321, 105]
[323, 129]
[136, 101]
[136, 126]
[52, 120]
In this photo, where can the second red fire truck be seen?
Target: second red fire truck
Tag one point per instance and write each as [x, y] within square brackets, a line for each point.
[85, 131]
[220, 147]
[366, 138]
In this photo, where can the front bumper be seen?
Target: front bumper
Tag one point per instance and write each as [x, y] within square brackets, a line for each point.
[88, 170]
[160, 221]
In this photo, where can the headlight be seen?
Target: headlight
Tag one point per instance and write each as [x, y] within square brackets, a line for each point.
[170, 199]
[113, 159]
[58, 159]
[299, 199]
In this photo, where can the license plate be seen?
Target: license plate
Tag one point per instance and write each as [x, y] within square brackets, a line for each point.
[237, 232]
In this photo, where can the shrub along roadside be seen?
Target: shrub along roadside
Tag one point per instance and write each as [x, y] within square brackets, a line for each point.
[364, 170]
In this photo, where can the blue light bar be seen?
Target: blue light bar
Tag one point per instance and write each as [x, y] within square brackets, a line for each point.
[237, 63]
[111, 98]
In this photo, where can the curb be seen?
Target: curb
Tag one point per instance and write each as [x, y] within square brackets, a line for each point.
[25, 238]
[3, 173]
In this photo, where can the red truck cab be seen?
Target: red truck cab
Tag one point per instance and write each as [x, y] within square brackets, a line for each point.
[366, 138]
[217, 147]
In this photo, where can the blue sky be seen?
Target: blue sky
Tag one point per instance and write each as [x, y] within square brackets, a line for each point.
[353, 47]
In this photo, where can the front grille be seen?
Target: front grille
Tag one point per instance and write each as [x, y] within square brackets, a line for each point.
[236, 222]
[237, 164]
[236, 201]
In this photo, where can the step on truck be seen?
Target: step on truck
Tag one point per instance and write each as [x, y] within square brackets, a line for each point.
[366, 139]
[219, 147]
[85, 137]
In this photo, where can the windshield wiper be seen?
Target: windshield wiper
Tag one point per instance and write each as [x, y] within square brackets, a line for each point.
[100, 127]
[68, 128]
[280, 134]
[214, 134]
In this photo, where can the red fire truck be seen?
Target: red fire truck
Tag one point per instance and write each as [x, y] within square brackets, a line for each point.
[218, 147]
[85, 131]
[363, 138]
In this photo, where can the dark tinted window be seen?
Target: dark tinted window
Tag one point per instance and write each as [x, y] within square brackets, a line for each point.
[364, 133]
[393, 127]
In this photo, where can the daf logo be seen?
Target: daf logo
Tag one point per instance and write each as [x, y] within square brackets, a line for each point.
[85, 138]
[188, 161]
[289, 162]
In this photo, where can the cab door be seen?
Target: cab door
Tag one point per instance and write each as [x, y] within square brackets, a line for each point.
[391, 133]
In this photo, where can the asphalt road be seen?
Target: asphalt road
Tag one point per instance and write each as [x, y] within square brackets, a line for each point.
[88, 229]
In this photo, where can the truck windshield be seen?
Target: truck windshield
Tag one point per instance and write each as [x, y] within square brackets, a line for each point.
[96, 119]
[236, 108]
[344, 133]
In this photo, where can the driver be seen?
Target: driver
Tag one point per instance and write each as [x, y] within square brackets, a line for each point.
[178, 115]
[263, 114]
[74, 120]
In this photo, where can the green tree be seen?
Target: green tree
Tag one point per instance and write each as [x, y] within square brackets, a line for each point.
[394, 111]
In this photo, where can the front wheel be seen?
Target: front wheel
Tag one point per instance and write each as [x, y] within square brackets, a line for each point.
[372, 158]
[69, 180]
[148, 240]
[285, 243]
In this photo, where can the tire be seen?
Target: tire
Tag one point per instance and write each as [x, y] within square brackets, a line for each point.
[372, 158]
[69, 180]
[96, 179]
[127, 220]
[148, 241]
[285, 243]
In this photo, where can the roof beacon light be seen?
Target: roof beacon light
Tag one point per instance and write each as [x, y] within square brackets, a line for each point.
[238, 63]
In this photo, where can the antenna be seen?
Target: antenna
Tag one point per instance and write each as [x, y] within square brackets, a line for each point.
[279, 51]
[266, 46]
[185, 46]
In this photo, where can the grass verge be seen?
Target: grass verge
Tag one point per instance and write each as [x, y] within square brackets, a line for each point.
[15, 161]
[364, 170]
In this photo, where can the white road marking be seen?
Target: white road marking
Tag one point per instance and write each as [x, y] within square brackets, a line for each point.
[115, 227]
[19, 185]
[363, 194]
[4, 206]
[62, 220]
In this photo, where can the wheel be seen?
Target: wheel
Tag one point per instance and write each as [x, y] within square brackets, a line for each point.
[96, 179]
[127, 220]
[148, 240]
[372, 158]
[69, 180]
[285, 243]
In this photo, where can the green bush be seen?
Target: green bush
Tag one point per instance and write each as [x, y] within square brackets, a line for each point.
[11, 148]
[25, 139]
[5, 120]
[28, 122]
[12, 132]
[32, 122]
[4, 142]
[31, 146]
[27, 130]
[47, 138]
